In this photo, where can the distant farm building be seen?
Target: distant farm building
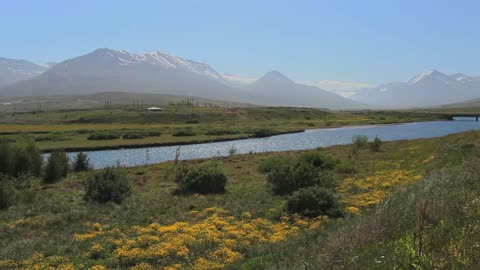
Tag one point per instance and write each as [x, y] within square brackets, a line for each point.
[155, 109]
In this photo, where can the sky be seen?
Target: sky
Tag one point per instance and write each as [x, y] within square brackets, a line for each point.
[316, 42]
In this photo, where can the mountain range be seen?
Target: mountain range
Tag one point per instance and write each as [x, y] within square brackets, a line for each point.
[13, 70]
[107, 70]
[431, 88]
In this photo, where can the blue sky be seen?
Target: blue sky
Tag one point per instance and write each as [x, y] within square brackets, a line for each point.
[309, 41]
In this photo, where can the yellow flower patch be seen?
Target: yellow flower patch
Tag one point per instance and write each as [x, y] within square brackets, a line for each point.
[366, 191]
[212, 240]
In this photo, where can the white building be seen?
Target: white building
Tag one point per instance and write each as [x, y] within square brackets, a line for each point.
[155, 109]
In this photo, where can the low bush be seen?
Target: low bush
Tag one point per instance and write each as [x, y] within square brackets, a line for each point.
[103, 136]
[319, 160]
[5, 154]
[360, 141]
[109, 184]
[51, 137]
[192, 122]
[266, 165]
[261, 133]
[376, 145]
[7, 140]
[7, 192]
[346, 168]
[81, 162]
[218, 132]
[184, 133]
[314, 201]
[134, 135]
[289, 175]
[20, 159]
[56, 167]
[205, 178]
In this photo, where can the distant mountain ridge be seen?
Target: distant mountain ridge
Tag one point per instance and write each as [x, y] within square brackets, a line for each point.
[275, 88]
[430, 88]
[16, 70]
[106, 70]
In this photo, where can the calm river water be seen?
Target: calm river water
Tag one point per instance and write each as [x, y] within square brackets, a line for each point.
[296, 141]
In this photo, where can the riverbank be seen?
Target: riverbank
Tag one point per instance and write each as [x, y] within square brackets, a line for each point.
[204, 141]
[71, 130]
[55, 216]
[286, 142]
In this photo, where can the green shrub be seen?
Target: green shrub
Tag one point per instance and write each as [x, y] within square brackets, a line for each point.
[205, 178]
[56, 167]
[153, 133]
[192, 122]
[51, 137]
[266, 165]
[109, 184]
[318, 160]
[261, 133]
[184, 133]
[81, 162]
[36, 159]
[20, 159]
[289, 176]
[376, 145]
[360, 141]
[22, 182]
[7, 140]
[7, 192]
[5, 157]
[313, 202]
[217, 132]
[104, 136]
[344, 167]
[134, 135]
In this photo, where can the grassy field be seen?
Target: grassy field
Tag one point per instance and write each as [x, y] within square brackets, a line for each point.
[246, 227]
[71, 129]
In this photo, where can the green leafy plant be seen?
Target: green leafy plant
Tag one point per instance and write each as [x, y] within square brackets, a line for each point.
[7, 192]
[313, 202]
[184, 133]
[205, 178]
[56, 167]
[376, 145]
[109, 184]
[81, 162]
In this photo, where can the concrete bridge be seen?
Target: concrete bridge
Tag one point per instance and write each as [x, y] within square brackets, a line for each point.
[472, 115]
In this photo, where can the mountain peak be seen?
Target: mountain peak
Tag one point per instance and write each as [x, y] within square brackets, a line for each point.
[459, 76]
[428, 75]
[275, 77]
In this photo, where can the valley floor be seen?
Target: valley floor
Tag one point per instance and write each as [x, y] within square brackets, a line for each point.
[125, 127]
[52, 227]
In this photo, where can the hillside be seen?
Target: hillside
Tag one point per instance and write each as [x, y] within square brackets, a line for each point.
[431, 88]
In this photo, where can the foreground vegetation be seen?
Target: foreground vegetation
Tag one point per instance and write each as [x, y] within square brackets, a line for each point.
[400, 210]
[126, 127]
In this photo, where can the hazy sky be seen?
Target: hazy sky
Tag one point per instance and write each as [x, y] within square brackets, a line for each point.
[309, 41]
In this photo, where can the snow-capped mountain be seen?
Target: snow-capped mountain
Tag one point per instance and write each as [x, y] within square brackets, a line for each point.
[164, 60]
[110, 70]
[106, 70]
[430, 88]
[274, 88]
[14, 70]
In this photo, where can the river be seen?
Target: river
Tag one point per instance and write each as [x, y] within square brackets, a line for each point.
[309, 139]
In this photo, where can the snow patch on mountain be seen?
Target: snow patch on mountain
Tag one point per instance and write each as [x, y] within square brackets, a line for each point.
[164, 60]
